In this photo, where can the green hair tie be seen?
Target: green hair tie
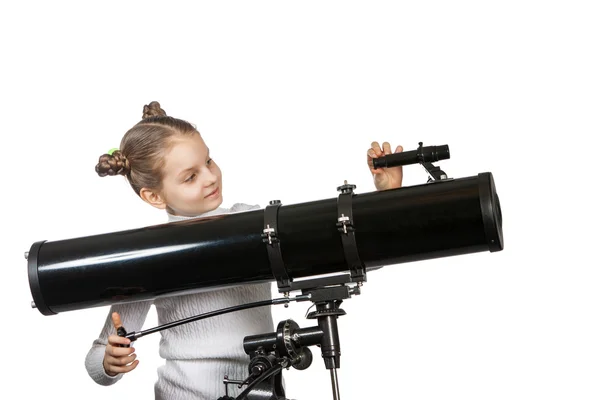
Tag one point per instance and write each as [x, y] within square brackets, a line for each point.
[111, 151]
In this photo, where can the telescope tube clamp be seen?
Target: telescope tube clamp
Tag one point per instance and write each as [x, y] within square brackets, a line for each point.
[270, 237]
[345, 225]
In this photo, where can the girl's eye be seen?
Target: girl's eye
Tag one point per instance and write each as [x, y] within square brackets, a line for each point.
[191, 178]
[209, 161]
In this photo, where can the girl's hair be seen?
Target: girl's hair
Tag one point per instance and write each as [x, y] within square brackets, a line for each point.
[140, 156]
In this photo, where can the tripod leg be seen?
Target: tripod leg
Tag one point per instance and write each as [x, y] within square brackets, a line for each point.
[334, 384]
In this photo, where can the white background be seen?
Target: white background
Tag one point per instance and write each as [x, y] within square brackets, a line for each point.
[289, 96]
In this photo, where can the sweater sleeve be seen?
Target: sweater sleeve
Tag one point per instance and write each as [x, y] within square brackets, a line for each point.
[133, 316]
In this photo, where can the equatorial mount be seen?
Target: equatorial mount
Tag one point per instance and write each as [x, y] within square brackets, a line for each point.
[289, 345]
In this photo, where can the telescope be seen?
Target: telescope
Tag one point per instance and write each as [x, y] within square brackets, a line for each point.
[321, 250]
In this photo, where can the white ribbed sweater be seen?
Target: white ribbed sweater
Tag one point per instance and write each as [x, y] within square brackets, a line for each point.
[200, 353]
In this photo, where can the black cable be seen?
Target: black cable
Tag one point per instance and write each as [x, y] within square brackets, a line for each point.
[135, 335]
[282, 300]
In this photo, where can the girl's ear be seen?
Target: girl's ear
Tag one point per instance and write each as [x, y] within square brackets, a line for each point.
[153, 198]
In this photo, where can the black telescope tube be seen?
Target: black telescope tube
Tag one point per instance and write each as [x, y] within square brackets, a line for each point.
[439, 219]
[425, 154]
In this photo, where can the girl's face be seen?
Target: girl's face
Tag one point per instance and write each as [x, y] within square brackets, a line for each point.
[192, 181]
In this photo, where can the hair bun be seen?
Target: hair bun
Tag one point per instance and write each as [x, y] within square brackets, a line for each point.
[115, 164]
[153, 110]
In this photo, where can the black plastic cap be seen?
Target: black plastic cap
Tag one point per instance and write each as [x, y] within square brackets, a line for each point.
[34, 281]
[491, 212]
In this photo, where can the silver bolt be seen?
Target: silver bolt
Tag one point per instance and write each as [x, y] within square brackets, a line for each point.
[26, 255]
[33, 304]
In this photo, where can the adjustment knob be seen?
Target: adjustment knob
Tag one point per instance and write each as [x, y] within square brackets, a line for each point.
[304, 359]
[345, 188]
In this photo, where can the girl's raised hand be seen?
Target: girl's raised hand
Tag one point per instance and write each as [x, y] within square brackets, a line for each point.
[384, 178]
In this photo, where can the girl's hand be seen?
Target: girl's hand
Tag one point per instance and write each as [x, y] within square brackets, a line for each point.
[118, 360]
[384, 178]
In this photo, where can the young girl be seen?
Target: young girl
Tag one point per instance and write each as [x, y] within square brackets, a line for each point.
[168, 165]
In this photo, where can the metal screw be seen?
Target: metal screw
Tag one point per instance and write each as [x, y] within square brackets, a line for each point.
[26, 255]
[268, 231]
[33, 304]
